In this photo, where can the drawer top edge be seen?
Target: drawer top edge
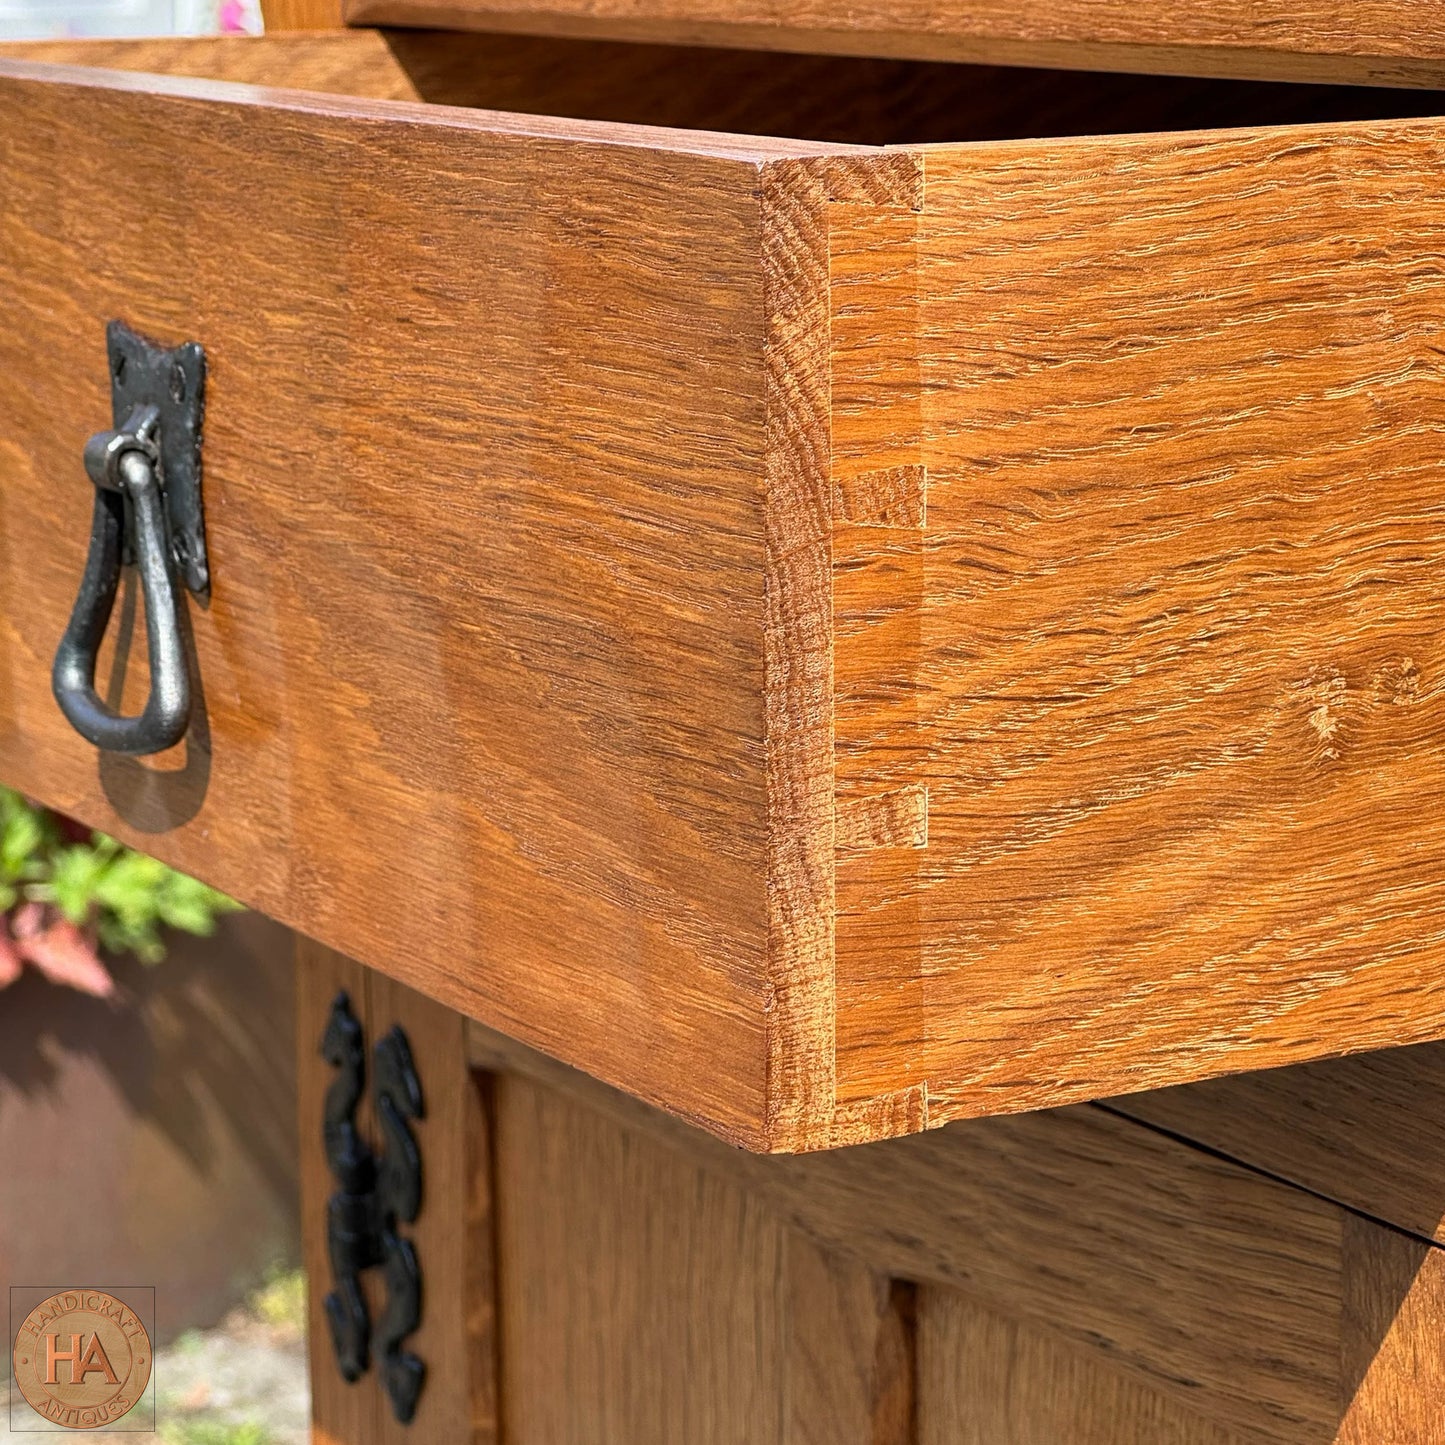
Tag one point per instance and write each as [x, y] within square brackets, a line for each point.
[753, 151]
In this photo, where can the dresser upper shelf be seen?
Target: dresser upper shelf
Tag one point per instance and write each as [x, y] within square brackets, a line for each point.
[1389, 42]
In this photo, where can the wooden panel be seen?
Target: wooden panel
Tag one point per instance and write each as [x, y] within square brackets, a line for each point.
[1391, 42]
[640, 1302]
[344, 63]
[1203, 1288]
[447, 544]
[851, 1351]
[1392, 1364]
[340, 1414]
[454, 1231]
[1364, 1130]
[301, 14]
[988, 1380]
[1163, 654]
[658, 1286]
[648, 1300]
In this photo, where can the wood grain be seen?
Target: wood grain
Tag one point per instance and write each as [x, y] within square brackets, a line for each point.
[650, 1300]
[341, 63]
[340, 1413]
[1392, 1366]
[640, 1304]
[454, 1233]
[550, 699]
[1164, 653]
[851, 1351]
[1391, 42]
[985, 1379]
[344, 62]
[1203, 1288]
[1363, 1130]
[281, 15]
[798, 671]
[833, 98]
[1012, 683]
[801, 1007]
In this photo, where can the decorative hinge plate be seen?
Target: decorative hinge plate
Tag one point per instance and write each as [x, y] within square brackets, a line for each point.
[376, 1192]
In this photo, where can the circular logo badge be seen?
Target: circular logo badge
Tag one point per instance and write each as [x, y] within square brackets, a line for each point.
[82, 1358]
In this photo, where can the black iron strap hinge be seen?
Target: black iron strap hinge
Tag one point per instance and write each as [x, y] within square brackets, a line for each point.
[376, 1192]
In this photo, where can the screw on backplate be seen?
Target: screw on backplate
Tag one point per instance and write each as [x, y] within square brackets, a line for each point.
[119, 369]
[178, 384]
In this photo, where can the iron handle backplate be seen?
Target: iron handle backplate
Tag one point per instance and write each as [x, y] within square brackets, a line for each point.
[147, 477]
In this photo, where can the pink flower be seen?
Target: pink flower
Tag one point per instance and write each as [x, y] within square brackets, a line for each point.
[57, 948]
[10, 960]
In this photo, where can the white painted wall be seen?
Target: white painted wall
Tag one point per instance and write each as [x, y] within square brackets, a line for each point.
[40, 19]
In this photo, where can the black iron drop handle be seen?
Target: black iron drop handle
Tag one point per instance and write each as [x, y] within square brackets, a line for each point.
[146, 472]
[125, 465]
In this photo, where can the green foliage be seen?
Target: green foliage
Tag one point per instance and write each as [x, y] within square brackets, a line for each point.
[280, 1302]
[213, 1432]
[127, 897]
[27, 836]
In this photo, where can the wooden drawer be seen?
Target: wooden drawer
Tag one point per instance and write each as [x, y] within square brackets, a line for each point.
[827, 638]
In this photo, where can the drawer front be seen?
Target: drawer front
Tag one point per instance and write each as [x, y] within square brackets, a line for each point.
[829, 640]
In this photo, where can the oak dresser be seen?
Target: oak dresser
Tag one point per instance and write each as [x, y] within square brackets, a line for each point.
[826, 621]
